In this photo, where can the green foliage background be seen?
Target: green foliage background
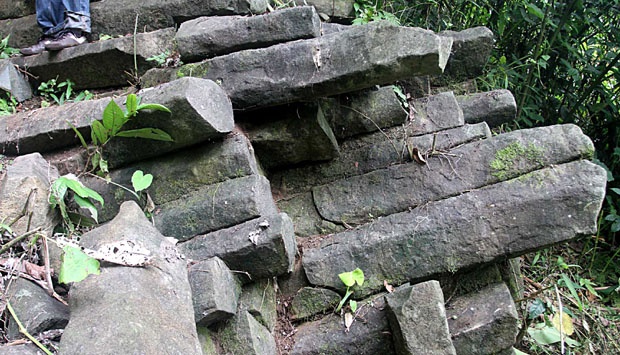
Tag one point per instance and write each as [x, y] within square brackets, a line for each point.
[559, 59]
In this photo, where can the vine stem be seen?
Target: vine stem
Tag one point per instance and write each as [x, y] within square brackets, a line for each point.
[24, 331]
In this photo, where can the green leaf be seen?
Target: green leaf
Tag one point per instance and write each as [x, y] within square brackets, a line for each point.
[76, 265]
[147, 133]
[79, 189]
[99, 133]
[85, 203]
[113, 118]
[131, 104]
[78, 134]
[156, 107]
[616, 190]
[572, 288]
[343, 300]
[140, 181]
[535, 10]
[347, 278]
[537, 308]
[549, 335]
[358, 276]
[353, 305]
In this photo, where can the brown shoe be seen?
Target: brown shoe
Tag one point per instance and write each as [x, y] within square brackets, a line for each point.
[66, 40]
[37, 47]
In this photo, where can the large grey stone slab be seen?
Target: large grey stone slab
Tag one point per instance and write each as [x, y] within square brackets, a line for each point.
[418, 319]
[125, 310]
[20, 349]
[483, 322]
[259, 299]
[372, 153]
[335, 10]
[14, 82]
[361, 57]
[200, 111]
[310, 301]
[368, 335]
[118, 17]
[363, 112]
[471, 50]
[436, 112]
[84, 65]
[215, 291]
[35, 308]
[245, 335]
[382, 192]
[506, 219]
[300, 207]
[494, 107]
[216, 206]
[15, 8]
[179, 173]
[207, 37]
[25, 188]
[299, 134]
[262, 248]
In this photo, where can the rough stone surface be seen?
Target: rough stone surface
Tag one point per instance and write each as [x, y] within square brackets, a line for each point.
[180, 173]
[85, 68]
[300, 134]
[434, 113]
[372, 153]
[380, 193]
[327, 336]
[207, 37]
[484, 322]
[494, 107]
[15, 8]
[125, 310]
[35, 308]
[117, 17]
[14, 82]
[363, 112]
[23, 349]
[471, 50]
[263, 247]
[509, 218]
[26, 185]
[259, 299]
[217, 206]
[200, 111]
[310, 301]
[417, 318]
[337, 10]
[364, 56]
[305, 217]
[243, 334]
[214, 291]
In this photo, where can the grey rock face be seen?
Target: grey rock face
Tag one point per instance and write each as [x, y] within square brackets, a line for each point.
[216, 206]
[418, 319]
[26, 185]
[380, 193]
[125, 310]
[306, 219]
[35, 308]
[310, 301]
[207, 37]
[243, 334]
[483, 322]
[505, 219]
[337, 10]
[471, 50]
[300, 134]
[263, 247]
[436, 112]
[15, 8]
[83, 65]
[214, 291]
[494, 107]
[200, 111]
[14, 82]
[259, 299]
[327, 335]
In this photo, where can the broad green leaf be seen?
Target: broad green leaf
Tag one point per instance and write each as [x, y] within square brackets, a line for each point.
[156, 107]
[99, 133]
[131, 104]
[79, 189]
[567, 323]
[616, 190]
[358, 276]
[76, 265]
[535, 10]
[537, 308]
[140, 181]
[572, 288]
[113, 118]
[85, 203]
[549, 335]
[347, 278]
[353, 305]
[58, 192]
[147, 133]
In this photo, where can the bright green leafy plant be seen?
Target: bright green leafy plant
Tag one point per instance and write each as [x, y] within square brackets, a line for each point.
[82, 195]
[8, 106]
[350, 279]
[60, 93]
[5, 50]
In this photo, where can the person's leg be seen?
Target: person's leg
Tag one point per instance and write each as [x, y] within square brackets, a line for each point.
[75, 25]
[50, 17]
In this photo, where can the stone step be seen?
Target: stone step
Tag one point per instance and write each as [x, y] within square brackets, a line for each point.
[257, 249]
[84, 66]
[207, 37]
[361, 57]
[200, 111]
[118, 17]
[494, 107]
[361, 198]
[471, 50]
[506, 219]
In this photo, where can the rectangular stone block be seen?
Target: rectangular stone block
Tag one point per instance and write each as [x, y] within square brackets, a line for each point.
[337, 10]
[494, 107]
[483, 322]
[207, 37]
[259, 298]
[262, 248]
[217, 206]
[506, 219]
[300, 207]
[471, 50]
[14, 82]
[358, 199]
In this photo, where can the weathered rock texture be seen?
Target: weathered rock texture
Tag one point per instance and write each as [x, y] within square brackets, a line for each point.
[127, 309]
[14, 82]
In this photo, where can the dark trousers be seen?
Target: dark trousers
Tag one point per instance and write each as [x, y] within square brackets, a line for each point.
[58, 16]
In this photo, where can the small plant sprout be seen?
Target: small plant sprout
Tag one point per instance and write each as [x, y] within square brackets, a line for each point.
[82, 195]
[350, 279]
